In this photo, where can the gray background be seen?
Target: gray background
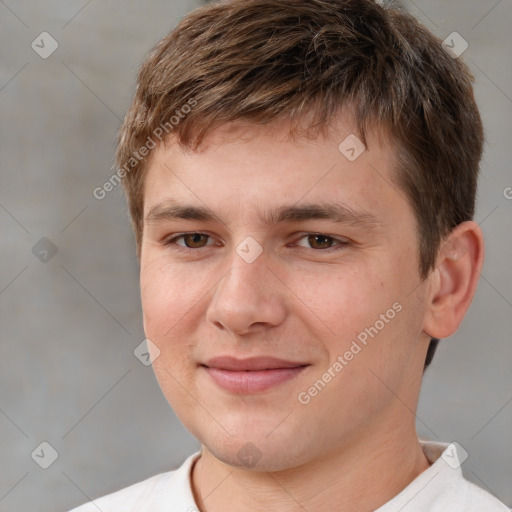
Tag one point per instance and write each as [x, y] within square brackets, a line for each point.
[70, 325]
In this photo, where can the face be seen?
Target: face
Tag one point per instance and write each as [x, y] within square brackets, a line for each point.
[263, 246]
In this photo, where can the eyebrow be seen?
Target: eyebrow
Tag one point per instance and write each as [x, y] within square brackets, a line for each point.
[170, 210]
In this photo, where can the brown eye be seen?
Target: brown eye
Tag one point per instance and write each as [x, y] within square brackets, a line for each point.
[320, 241]
[195, 240]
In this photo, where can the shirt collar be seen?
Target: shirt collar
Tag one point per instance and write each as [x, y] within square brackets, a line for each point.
[432, 484]
[444, 472]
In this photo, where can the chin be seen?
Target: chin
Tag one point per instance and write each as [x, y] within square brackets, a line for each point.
[255, 457]
[255, 450]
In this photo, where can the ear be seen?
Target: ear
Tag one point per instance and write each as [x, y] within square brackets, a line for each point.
[453, 282]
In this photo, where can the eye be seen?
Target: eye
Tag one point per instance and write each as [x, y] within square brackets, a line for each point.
[191, 241]
[323, 242]
[196, 240]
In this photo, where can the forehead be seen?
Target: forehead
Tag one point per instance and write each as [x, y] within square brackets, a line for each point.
[240, 163]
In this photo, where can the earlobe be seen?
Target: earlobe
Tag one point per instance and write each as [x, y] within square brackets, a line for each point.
[454, 280]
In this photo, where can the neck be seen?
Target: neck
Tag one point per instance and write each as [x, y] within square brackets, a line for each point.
[360, 477]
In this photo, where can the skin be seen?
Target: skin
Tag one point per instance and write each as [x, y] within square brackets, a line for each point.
[354, 445]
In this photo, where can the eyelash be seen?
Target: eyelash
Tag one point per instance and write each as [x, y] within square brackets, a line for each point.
[341, 244]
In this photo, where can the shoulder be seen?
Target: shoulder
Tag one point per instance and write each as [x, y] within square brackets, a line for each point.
[449, 489]
[474, 499]
[150, 494]
[128, 496]
[442, 487]
[459, 493]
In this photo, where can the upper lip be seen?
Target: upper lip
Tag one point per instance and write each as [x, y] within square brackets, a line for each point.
[251, 363]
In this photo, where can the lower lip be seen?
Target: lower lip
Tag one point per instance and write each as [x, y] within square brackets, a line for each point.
[251, 381]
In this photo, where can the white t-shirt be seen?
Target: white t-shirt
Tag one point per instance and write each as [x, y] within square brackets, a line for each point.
[440, 488]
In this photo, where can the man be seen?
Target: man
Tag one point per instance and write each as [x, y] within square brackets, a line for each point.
[301, 179]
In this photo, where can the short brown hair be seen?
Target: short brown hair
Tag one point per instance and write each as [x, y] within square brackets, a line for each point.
[261, 60]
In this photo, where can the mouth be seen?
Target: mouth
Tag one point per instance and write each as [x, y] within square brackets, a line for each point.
[251, 375]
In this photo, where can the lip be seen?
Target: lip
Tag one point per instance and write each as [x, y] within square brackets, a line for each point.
[251, 363]
[251, 375]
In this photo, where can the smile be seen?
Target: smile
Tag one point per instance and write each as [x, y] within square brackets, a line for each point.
[251, 381]
[251, 375]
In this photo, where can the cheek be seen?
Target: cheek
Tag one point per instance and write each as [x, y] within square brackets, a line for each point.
[168, 298]
[359, 316]
[342, 300]
[169, 295]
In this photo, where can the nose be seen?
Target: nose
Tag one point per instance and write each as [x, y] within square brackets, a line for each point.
[248, 298]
